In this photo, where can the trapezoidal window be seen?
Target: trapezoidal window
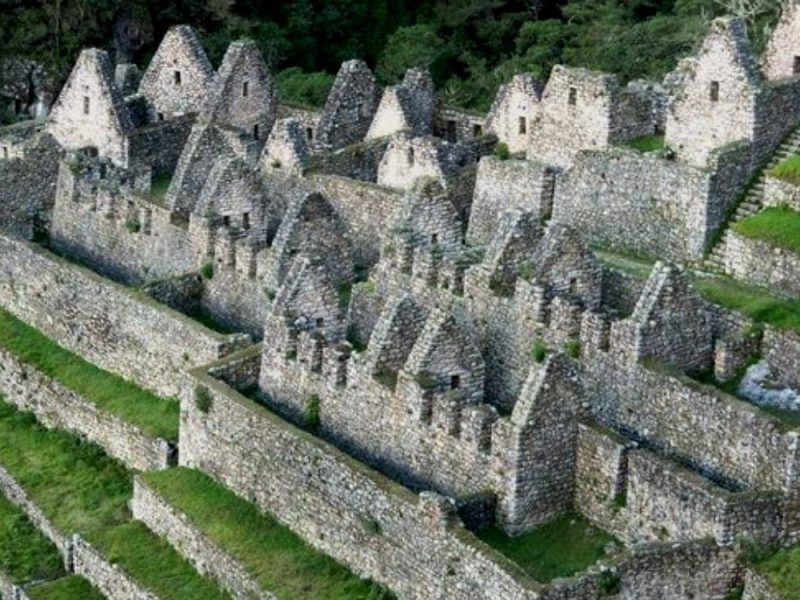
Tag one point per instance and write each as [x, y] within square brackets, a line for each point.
[226, 221]
[255, 132]
[572, 100]
[5, 152]
[309, 134]
[523, 125]
[245, 220]
[320, 322]
[713, 91]
[455, 382]
[176, 76]
[160, 116]
[245, 88]
[796, 65]
[410, 156]
[434, 239]
[477, 130]
[86, 105]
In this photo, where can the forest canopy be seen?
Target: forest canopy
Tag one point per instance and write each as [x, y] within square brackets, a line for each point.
[470, 46]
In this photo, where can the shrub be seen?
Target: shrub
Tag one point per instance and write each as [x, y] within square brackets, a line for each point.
[207, 271]
[202, 399]
[608, 583]
[425, 380]
[538, 350]
[573, 348]
[133, 225]
[311, 415]
[501, 151]
[304, 89]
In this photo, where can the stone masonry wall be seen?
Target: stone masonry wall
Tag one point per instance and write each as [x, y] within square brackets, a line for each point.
[781, 349]
[112, 581]
[118, 329]
[206, 556]
[762, 264]
[327, 498]
[58, 407]
[159, 145]
[507, 185]
[687, 420]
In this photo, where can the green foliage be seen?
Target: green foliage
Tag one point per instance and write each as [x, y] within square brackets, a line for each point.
[647, 143]
[620, 500]
[572, 348]
[735, 593]
[133, 225]
[311, 416]
[371, 525]
[608, 583]
[357, 344]
[207, 271]
[202, 399]
[781, 568]
[159, 186]
[386, 378]
[415, 46]
[304, 89]
[345, 292]
[153, 415]
[777, 226]
[151, 561]
[471, 48]
[538, 350]
[559, 548]
[67, 588]
[73, 483]
[501, 151]
[279, 560]
[25, 554]
[788, 169]
[756, 303]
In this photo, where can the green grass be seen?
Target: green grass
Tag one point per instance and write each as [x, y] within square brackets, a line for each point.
[782, 570]
[560, 548]
[777, 226]
[635, 266]
[153, 563]
[153, 415]
[646, 143]
[78, 488]
[25, 554]
[159, 186]
[788, 169]
[73, 587]
[280, 561]
[756, 303]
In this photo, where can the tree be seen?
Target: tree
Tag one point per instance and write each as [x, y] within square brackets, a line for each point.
[415, 46]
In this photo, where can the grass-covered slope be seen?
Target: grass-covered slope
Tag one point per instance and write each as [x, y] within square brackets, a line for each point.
[280, 561]
[559, 548]
[777, 226]
[73, 587]
[153, 415]
[25, 554]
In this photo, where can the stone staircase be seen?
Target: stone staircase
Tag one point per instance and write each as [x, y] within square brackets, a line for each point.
[752, 203]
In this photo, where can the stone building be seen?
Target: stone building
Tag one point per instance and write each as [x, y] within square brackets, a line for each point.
[461, 336]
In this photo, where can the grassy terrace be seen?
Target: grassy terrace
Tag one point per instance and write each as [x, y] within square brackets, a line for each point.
[73, 587]
[756, 303]
[153, 415]
[777, 226]
[25, 554]
[81, 490]
[280, 561]
[151, 561]
[560, 548]
[646, 143]
[782, 570]
[788, 169]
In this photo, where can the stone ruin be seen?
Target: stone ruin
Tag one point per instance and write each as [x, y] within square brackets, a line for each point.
[443, 316]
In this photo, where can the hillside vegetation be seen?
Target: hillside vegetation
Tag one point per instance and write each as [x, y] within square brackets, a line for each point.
[471, 46]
